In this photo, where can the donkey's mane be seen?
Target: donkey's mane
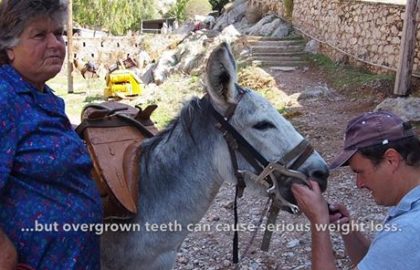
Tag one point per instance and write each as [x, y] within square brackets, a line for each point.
[194, 109]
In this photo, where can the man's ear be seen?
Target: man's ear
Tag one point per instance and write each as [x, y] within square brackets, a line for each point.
[393, 158]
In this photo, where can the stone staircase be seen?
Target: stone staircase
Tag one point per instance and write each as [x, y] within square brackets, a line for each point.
[277, 54]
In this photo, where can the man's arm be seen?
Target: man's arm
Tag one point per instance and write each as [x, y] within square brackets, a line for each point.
[313, 205]
[322, 250]
[356, 245]
[355, 242]
[8, 255]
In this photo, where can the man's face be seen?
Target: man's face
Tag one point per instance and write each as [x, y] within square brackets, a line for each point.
[40, 52]
[376, 179]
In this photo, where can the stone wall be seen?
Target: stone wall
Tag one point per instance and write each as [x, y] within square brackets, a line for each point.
[365, 32]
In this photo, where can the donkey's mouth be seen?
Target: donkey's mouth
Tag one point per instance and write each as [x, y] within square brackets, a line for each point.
[287, 194]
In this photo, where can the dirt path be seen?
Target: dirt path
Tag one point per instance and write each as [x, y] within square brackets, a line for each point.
[322, 121]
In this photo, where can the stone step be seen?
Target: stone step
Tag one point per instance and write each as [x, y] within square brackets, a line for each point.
[283, 68]
[274, 53]
[284, 54]
[279, 49]
[262, 38]
[279, 63]
[277, 58]
[276, 43]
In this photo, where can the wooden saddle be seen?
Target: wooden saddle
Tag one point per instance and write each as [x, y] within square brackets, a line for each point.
[113, 133]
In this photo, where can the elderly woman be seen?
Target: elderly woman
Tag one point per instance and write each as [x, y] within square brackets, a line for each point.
[46, 193]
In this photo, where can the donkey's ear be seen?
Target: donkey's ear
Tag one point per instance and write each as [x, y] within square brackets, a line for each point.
[221, 77]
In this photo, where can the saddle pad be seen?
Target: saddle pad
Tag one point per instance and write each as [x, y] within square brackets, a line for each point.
[107, 148]
[113, 133]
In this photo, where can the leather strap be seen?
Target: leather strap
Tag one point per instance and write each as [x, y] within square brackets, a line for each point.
[303, 151]
[119, 121]
[271, 222]
[236, 142]
[246, 149]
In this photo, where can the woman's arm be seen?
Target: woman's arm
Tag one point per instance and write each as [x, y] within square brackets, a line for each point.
[8, 255]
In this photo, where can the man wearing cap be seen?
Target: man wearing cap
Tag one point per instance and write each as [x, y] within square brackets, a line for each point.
[384, 152]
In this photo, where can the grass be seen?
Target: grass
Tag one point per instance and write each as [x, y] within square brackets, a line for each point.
[85, 91]
[342, 76]
[257, 79]
[169, 96]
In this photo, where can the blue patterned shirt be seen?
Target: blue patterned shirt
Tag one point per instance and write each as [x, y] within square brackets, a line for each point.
[47, 197]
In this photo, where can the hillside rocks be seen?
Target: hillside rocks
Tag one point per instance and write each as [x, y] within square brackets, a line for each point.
[407, 108]
[312, 47]
[239, 16]
[232, 16]
[191, 54]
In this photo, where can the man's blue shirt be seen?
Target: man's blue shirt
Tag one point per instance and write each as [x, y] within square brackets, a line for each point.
[397, 246]
[45, 179]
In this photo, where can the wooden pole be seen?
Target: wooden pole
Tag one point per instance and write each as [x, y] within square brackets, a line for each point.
[70, 48]
[408, 43]
[141, 26]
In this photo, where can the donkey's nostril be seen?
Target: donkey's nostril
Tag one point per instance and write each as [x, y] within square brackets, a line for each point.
[320, 174]
[321, 177]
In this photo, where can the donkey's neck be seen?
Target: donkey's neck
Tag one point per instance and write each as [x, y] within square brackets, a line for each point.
[180, 175]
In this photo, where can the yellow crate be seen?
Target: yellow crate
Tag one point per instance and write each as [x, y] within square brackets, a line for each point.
[122, 82]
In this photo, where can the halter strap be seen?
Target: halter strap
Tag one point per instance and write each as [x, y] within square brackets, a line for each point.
[236, 142]
[245, 148]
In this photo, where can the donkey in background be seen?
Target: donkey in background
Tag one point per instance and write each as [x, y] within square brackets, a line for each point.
[183, 167]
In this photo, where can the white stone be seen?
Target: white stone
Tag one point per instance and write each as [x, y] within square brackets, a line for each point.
[293, 243]
[394, 30]
[395, 40]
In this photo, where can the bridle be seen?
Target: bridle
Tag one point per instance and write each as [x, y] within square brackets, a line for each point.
[286, 167]
[264, 169]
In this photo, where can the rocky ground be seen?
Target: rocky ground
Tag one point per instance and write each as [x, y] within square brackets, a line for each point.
[322, 120]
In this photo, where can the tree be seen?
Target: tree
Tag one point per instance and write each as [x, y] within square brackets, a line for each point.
[178, 10]
[117, 16]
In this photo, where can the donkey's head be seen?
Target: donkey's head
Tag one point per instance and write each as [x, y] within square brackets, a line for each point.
[270, 153]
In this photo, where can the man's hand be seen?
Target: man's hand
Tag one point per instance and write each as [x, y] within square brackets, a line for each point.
[339, 214]
[8, 255]
[311, 202]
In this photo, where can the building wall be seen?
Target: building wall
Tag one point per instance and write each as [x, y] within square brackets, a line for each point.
[105, 49]
[367, 32]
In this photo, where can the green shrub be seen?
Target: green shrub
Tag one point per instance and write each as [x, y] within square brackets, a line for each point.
[197, 7]
[177, 10]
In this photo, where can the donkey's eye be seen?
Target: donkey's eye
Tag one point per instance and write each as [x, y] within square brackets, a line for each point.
[263, 125]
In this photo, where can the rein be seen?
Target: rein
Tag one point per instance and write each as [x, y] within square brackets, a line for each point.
[264, 170]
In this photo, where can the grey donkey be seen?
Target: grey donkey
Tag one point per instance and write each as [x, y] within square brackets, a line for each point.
[183, 167]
